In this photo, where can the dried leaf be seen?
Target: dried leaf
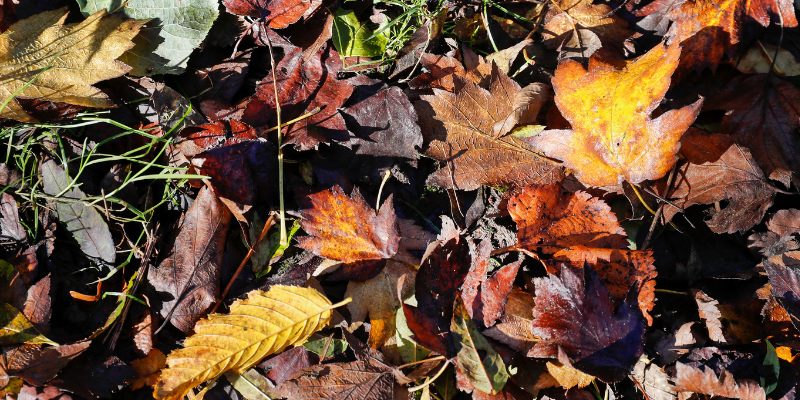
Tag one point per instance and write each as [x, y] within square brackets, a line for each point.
[84, 222]
[148, 369]
[578, 318]
[73, 57]
[143, 333]
[705, 381]
[277, 14]
[37, 365]
[10, 228]
[475, 357]
[264, 323]
[761, 116]
[38, 305]
[784, 276]
[459, 128]
[581, 25]
[367, 380]
[514, 328]
[188, 279]
[609, 106]
[720, 170]
[563, 376]
[16, 329]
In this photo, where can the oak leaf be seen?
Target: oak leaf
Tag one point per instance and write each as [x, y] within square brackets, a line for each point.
[762, 116]
[462, 129]
[718, 169]
[609, 106]
[69, 57]
[265, 323]
[347, 229]
[577, 318]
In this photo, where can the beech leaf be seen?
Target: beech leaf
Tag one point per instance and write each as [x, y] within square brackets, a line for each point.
[265, 323]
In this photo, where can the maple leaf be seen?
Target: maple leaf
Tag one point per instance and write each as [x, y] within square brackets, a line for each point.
[763, 118]
[189, 277]
[578, 318]
[609, 106]
[304, 86]
[347, 229]
[718, 169]
[707, 30]
[459, 128]
[276, 13]
[69, 57]
[705, 381]
[580, 28]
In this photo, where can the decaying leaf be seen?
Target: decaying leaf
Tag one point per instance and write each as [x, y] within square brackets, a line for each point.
[784, 276]
[705, 381]
[460, 130]
[15, 328]
[609, 105]
[580, 28]
[475, 357]
[277, 13]
[263, 324]
[514, 328]
[188, 278]
[73, 57]
[36, 364]
[578, 318]
[367, 380]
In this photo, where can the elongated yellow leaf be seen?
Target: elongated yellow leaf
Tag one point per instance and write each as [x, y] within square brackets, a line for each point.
[70, 59]
[263, 324]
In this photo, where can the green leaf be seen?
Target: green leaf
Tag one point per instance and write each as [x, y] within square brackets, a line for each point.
[16, 329]
[250, 384]
[352, 38]
[487, 374]
[84, 222]
[409, 350]
[771, 359]
[164, 46]
[317, 345]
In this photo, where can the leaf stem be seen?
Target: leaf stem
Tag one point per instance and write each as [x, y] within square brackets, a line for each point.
[437, 358]
[431, 379]
[386, 176]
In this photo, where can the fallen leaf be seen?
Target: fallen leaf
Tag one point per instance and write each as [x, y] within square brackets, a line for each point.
[277, 14]
[580, 28]
[514, 328]
[757, 59]
[579, 319]
[709, 312]
[475, 357]
[82, 221]
[38, 307]
[780, 237]
[441, 274]
[384, 121]
[10, 228]
[613, 137]
[283, 366]
[442, 70]
[347, 229]
[215, 79]
[194, 140]
[148, 369]
[188, 279]
[709, 30]
[15, 328]
[552, 219]
[485, 299]
[563, 376]
[37, 365]
[459, 129]
[264, 323]
[762, 117]
[173, 31]
[95, 377]
[367, 380]
[303, 87]
[718, 169]
[143, 333]
[70, 58]
[705, 381]
[784, 276]
[379, 299]
[353, 38]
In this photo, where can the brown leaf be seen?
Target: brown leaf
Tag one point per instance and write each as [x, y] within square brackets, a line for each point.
[718, 169]
[784, 276]
[283, 366]
[36, 364]
[347, 229]
[762, 116]
[780, 237]
[188, 279]
[143, 333]
[609, 106]
[148, 368]
[705, 381]
[563, 376]
[37, 307]
[303, 87]
[276, 13]
[442, 70]
[459, 129]
[548, 218]
[10, 228]
[196, 139]
[485, 299]
[708, 312]
[578, 318]
[581, 25]
[514, 328]
[366, 380]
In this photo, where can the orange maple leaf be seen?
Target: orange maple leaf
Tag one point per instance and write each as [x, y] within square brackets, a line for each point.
[609, 106]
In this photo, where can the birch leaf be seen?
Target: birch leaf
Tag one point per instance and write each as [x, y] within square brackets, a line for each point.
[70, 59]
[263, 324]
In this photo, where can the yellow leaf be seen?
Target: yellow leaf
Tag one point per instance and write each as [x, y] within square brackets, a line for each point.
[263, 324]
[73, 57]
[16, 329]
